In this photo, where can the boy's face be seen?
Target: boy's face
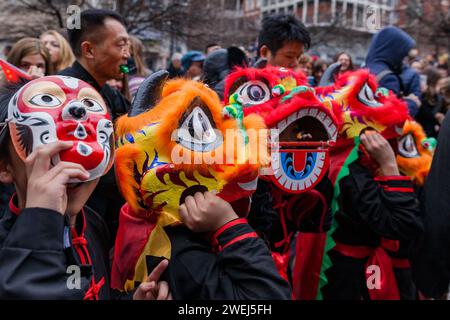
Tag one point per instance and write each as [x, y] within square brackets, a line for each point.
[14, 171]
[287, 56]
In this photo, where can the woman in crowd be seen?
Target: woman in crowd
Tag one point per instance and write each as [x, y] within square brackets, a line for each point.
[31, 55]
[59, 49]
[139, 70]
[346, 62]
[430, 115]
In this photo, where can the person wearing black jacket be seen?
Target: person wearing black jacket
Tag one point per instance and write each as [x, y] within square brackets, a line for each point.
[214, 254]
[116, 102]
[377, 217]
[235, 264]
[36, 255]
[101, 48]
[53, 246]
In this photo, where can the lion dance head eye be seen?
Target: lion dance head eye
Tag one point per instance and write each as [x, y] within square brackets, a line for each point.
[367, 97]
[407, 147]
[253, 93]
[197, 132]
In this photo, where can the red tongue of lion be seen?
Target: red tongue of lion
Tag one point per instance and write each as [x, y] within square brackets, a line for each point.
[299, 160]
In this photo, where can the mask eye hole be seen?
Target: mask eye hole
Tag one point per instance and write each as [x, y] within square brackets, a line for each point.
[92, 105]
[253, 93]
[407, 147]
[367, 97]
[45, 100]
[197, 127]
[197, 132]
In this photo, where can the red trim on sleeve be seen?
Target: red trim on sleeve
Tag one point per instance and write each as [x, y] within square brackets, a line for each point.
[393, 178]
[398, 189]
[228, 225]
[215, 243]
[239, 238]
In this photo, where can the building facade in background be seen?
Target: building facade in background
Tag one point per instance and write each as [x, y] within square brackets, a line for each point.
[348, 25]
[358, 15]
[335, 25]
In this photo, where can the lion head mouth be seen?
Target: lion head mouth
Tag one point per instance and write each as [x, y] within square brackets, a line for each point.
[304, 139]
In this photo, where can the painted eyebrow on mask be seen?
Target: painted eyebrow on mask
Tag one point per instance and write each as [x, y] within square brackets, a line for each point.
[43, 88]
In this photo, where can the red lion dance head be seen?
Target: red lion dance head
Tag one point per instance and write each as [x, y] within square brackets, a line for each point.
[306, 127]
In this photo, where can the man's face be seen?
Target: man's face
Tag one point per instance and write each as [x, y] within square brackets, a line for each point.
[287, 56]
[112, 50]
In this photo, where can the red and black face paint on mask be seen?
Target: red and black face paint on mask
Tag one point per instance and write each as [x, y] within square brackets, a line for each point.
[59, 108]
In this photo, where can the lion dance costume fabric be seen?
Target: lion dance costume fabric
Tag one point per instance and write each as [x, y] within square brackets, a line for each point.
[307, 129]
[360, 104]
[167, 149]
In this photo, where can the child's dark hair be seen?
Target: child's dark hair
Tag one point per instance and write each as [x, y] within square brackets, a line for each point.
[91, 21]
[7, 91]
[281, 28]
[236, 58]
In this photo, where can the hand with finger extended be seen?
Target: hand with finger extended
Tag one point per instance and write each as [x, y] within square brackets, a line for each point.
[153, 289]
[46, 185]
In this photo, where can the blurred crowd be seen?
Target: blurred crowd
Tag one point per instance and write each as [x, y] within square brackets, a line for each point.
[422, 77]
